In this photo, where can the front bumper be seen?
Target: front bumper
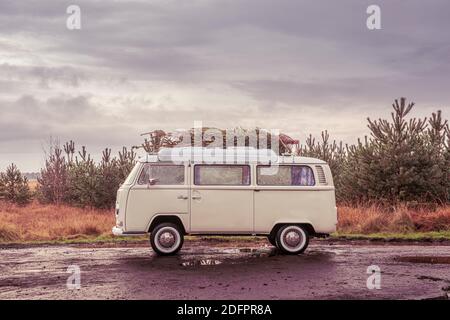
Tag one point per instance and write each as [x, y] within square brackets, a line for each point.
[117, 231]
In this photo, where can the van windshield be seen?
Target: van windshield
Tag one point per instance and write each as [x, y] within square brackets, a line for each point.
[132, 174]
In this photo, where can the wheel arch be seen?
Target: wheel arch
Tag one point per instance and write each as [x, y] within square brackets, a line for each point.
[305, 224]
[164, 218]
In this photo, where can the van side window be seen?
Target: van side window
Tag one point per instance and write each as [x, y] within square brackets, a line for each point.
[287, 176]
[219, 175]
[163, 174]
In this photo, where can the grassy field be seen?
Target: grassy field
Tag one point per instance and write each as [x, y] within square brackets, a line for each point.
[376, 220]
[38, 223]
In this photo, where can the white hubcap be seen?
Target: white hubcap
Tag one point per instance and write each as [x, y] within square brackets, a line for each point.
[293, 238]
[167, 239]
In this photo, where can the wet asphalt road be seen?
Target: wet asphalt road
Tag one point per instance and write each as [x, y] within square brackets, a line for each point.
[247, 270]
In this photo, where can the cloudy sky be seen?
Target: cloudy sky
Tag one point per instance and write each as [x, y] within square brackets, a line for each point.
[135, 66]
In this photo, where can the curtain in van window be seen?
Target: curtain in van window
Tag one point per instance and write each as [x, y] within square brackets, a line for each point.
[302, 176]
[287, 175]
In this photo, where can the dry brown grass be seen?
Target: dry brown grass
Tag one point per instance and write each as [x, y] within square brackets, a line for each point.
[38, 222]
[375, 219]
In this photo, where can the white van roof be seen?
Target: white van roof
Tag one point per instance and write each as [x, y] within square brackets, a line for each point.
[225, 156]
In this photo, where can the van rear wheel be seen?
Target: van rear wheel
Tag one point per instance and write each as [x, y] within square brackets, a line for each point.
[292, 239]
[166, 239]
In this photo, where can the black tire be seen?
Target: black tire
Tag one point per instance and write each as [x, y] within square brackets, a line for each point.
[272, 240]
[287, 240]
[170, 232]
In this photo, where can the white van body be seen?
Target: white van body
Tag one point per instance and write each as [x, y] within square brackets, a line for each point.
[244, 191]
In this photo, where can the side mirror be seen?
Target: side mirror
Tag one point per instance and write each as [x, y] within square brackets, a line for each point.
[152, 182]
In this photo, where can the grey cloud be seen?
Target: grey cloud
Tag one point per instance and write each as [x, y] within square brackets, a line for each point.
[138, 65]
[345, 93]
[55, 110]
[162, 40]
[33, 121]
[44, 75]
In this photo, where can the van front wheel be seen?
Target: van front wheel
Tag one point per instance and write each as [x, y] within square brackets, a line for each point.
[292, 239]
[166, 239]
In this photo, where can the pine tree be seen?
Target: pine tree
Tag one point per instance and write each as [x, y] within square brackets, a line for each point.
[14, 186]
[84, 182]
[74, 178]
[333, 153]
[403, 160]
[53, 179]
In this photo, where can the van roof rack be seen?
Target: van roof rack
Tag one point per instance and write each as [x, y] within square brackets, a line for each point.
[232, 154]
[225, 156]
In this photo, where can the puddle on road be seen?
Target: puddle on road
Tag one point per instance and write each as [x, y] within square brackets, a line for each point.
[204, 262]
[232, 256]
[241, 250]
[425, 259]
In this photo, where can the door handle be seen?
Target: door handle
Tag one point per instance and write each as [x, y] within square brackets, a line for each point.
[196, 197]
[182, 198]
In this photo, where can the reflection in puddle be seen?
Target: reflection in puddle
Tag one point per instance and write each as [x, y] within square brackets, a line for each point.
[204, 262]
[232, 256]
[337, 252]
[230, 251]
[334, 252]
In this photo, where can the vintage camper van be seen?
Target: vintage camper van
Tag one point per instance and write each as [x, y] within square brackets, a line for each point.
[236, 191]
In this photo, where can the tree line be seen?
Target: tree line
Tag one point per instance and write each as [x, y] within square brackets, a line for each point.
[403, 160]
